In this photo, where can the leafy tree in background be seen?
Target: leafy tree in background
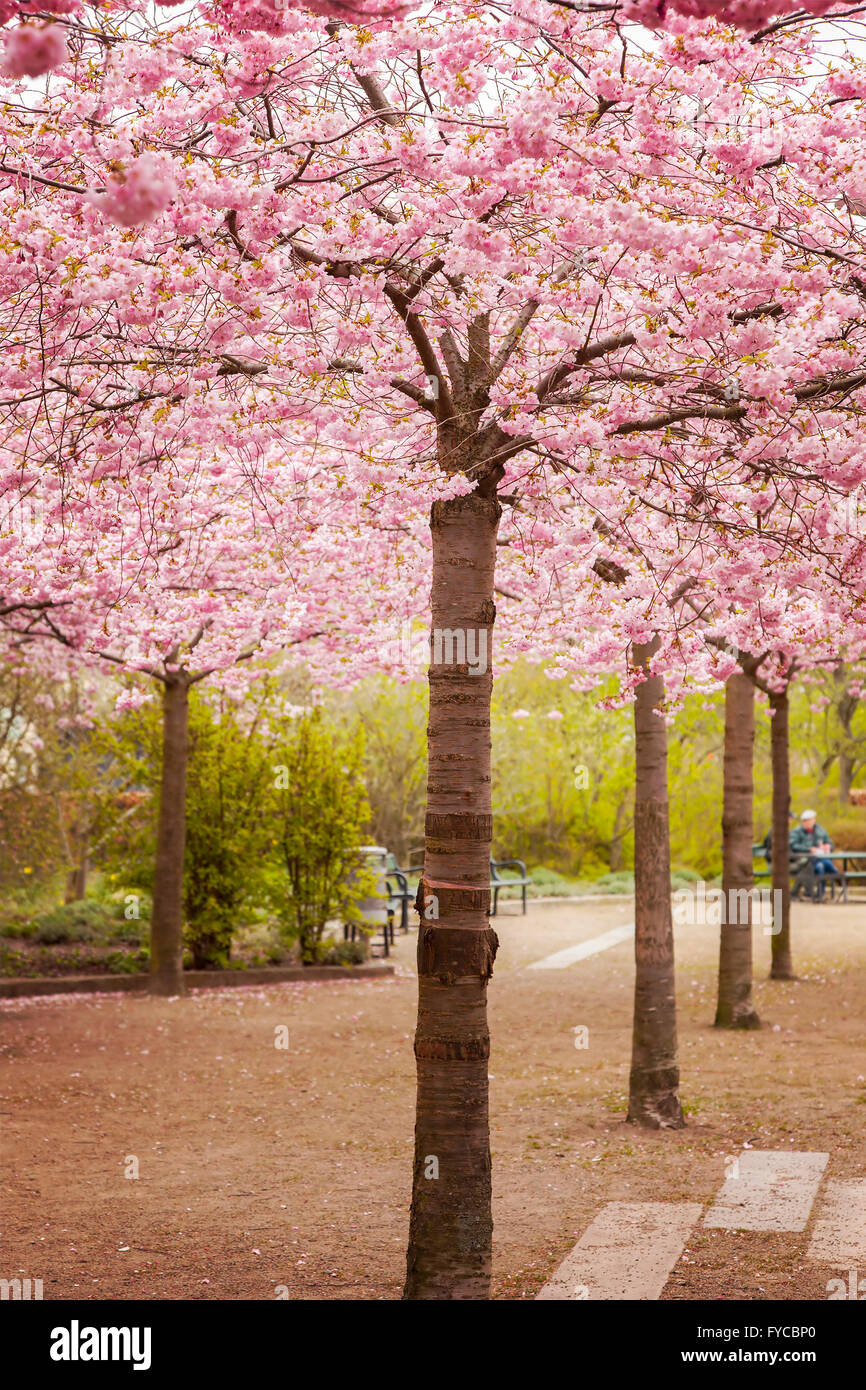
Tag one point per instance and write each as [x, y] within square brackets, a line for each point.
[54, 791]
[320, 807]
[832, 742]
[394, 719]
[228, 792]
[563, 773]
[563, 770]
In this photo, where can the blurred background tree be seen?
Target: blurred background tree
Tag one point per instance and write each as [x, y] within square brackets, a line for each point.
[316, 816]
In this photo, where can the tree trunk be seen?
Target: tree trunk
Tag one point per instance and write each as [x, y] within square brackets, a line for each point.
[76, 879]
[655, 1076]
[735, 1008]
[781, 968]
[451, 1225]
[616, 859]
[166, 932]
[846, 777]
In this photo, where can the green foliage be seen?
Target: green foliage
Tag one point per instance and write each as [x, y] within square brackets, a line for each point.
[282, 858]
[547, 883]
[394, 720]
[622, 882]
[52, 782]
[346, 953]
[228, 790]
[695, 772]
[848, 832]
[122, 963]
[562, 787]
[12, 961]
[275, 812]
[320, 807]
[83, 921]
[227, 838]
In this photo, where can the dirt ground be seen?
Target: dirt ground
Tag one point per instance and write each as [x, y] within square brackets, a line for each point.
[263, 1169]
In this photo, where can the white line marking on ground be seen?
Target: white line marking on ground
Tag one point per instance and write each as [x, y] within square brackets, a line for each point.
[839, 1236]
[771, 1190]
[627, 1252]
[560, 959]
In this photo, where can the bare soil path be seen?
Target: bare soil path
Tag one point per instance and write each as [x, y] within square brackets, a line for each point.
[263, 1169]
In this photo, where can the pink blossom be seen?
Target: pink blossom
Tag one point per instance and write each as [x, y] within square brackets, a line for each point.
[138, 194]
[34, 49]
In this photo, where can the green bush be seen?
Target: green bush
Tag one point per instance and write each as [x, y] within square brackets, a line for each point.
[615, 883]
[227, 838]
[17, 929]
[320, 808]
[346, 953]
[848, 832]
[227, 811]
[547, 883]
[122, 963]
[12, 962]
[82, 921]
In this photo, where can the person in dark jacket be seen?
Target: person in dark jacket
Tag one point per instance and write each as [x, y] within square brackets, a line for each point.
[767, 842]
[810, 842]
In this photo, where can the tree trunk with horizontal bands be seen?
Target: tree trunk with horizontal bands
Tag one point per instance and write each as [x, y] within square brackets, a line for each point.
[451, 1225]
[735, 1007]
[655, 1077]
[781, 967]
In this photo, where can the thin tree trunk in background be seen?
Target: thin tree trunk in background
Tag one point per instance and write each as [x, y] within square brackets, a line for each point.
[846, 777]
[76, 879]
[846, 707]
[166, 932]
[735, 1008]
[451, 1226]
[781, 968]
[655, 1077]
[616, 858]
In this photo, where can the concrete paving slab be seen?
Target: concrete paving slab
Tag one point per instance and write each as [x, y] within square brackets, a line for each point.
[560, 959]
[839, 1234]
[627, 1252]
[770, 1190]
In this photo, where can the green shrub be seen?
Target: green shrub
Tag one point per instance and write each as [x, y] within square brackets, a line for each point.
[82, 921]
[848, 832]
[226, 817]
[320, 808]
[227, 813]
[615, 883]
[346, 953]
[551, 883]
[122, 963]
[16, 929]
[12, 962]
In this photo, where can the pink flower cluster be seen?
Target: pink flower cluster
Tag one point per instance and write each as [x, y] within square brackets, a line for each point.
[138, 194]
[31, 50]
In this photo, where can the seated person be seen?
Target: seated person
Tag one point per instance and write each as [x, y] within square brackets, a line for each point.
[810, 841]
[767, 842]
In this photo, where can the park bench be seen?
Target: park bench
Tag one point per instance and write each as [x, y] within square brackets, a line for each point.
[498, 882]
[802, 876]
[401, 892]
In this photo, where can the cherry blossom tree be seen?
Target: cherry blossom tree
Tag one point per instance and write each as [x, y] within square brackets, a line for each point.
[517, 270]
